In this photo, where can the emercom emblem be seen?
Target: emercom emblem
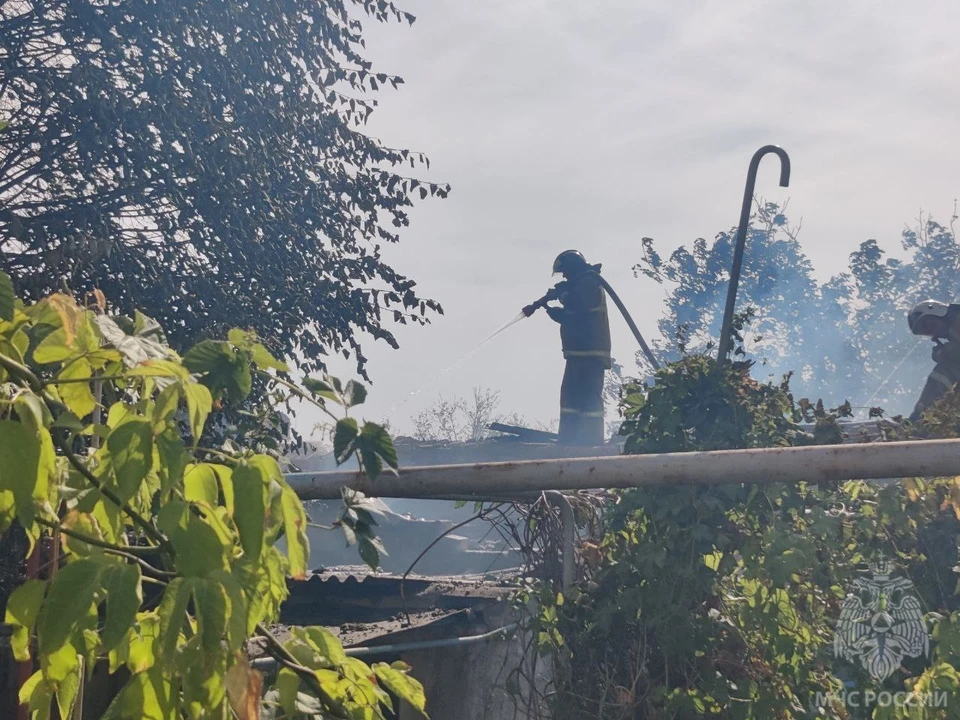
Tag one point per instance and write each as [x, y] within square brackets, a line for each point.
[881, 622]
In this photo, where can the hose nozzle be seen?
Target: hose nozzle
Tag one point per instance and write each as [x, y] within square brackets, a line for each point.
[537, 304]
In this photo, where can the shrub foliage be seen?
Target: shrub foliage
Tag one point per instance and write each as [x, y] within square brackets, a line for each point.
[170, 552]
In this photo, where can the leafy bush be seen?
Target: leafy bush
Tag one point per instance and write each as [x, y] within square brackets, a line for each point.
[171, 562]
[722, 602]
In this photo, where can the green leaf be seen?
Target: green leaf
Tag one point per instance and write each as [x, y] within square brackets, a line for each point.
[344, 437]
[225, 478]
[375, 438]
[325, 643]
[145, 326]
[207, 356]
[165, 408]
[354, 394]
[148, 696]
[173, 610]
[54, 348]
[237, 610]
[121, 583]
[71, 594]
[8, 510]
[224, 369]
[159, 368]
[7, 295]
[295, 527]
[372, 464]
[263, 359]
[23, 606]
[348, 533]
[200, 549]
[119, 412]
[202, 674]
[288, 683]
[322, 389]
[402, 685]
[250, 506]
[131, 454]
[200, 485]
[368, 551]
[37, 694]
[87, 341]
[58, 665]
[240, 338]
[85, 524]
[364, 515]
[267, 586]
[68, 421]
[712, 560]
[31, 411]
[140, 656]
[173, 458]
[68, 688]
[199, 404]
[28, 462]
[77, 395]
[108, 517]
[210, 602]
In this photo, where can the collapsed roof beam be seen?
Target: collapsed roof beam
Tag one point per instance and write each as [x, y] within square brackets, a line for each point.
[819, 463]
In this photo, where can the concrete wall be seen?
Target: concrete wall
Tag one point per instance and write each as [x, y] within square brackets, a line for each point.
[470, 683]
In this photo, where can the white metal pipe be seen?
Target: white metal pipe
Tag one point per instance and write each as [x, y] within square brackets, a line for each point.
[269, 664]
[818, 463]
[568, 528]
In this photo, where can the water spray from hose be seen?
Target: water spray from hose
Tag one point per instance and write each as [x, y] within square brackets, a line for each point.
[893, 372]
[462, 359]
[527, 312]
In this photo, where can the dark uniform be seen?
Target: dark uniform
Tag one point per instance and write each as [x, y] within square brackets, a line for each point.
[945, 375]
[585, 337]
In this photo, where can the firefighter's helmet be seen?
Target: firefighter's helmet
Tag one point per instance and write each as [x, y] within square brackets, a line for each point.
[569, 260]
[929, 319]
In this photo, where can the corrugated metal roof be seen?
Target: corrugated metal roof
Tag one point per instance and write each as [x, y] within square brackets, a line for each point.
[365, 608]
[352, 595]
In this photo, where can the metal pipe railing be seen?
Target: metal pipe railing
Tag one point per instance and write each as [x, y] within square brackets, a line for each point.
[269, 665]
[819, 463]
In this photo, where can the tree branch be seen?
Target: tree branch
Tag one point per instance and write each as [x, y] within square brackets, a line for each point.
[23, 372]
[285, 658]
[108, 548]
[137, 518]
[298, 392]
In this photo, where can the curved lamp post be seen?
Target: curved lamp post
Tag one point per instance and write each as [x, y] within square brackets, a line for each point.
[742, 237]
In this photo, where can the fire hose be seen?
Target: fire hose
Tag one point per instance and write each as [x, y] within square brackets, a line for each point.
[553, 295]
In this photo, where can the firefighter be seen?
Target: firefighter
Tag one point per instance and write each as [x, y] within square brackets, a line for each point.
[937, 320]
[585, 338]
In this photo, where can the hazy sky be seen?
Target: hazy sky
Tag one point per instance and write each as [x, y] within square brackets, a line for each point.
[592, 124]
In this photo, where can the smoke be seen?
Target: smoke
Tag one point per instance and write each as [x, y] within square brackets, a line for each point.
[843, 339]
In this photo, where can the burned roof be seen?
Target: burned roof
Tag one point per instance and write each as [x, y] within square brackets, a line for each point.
[363, 608]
